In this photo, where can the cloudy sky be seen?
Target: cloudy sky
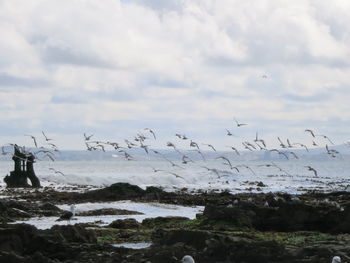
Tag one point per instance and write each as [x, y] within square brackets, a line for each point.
[114, 67]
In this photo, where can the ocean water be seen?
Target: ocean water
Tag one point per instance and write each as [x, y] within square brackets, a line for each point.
[291, 176]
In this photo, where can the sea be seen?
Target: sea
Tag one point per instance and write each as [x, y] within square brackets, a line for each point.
[215, 175]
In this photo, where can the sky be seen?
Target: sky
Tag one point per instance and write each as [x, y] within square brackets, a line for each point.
[112, 68]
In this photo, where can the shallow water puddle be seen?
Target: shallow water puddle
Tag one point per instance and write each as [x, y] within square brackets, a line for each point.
[139, 245]
[148, 210]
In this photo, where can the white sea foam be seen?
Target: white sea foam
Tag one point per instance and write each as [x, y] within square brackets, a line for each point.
[333, 175]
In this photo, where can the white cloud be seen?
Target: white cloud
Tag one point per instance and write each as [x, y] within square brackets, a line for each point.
[97, 62]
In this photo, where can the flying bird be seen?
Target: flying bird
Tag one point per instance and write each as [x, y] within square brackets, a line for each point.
[56, 171]
[227, 161]
[46, 138]
[34, 139]
[194, 144]
[176, 175]
[239, 124]
[211, 146]
[87, 137]
[311, 132]
[326, 137]
[152, 132]
[200, 153]
[312, 169]
[233, 148]
[228, 133]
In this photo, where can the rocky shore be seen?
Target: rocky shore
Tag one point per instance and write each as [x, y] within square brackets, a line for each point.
[312, 227]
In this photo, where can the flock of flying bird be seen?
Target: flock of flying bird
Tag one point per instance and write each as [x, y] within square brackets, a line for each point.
[139, 141]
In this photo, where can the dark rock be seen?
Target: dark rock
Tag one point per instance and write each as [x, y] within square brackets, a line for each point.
[164, 221]
[129, 223]
[118, 191]
[211, 247]
[108, 211]
[10, 257]
[283, 216]
[49, 206]
[15, 238]
[71, 233]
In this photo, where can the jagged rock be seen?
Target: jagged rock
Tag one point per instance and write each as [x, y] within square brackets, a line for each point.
[162, 221]
[125, 224]
[118, 191]
[108, 211]
[287, 216]
[211, 247]
[71, 233]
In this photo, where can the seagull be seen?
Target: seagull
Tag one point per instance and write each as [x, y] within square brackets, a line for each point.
[176, 175]
[46, 139]
[294, 154]
[57, 172]
[178, 135]
[233, 148]
[211, 146]
[145, 147]
[281, 143]
[279, 152]
[264, 76]
[50, 157]
[335, 259]
[311, 132]
[34, 139]
[87, 137]
[228, 133]
[129, 144]
[186, 159]
[157, 170]
[189, 259]
[239, 124]
[246, 146]
[302, 145]
[227, 160]
[194, 144]
[53, 146]
[259, 140]
[68, 215]
[312, 169]
[326, 137]
[332, 152]
[152, 132]
[200, 153]
[245, 166]
[211, 170]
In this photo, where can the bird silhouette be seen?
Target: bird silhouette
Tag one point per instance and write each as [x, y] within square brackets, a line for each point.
[311, 132]
[312, 169]
[34, 139]
[46, 138]
[239, 124]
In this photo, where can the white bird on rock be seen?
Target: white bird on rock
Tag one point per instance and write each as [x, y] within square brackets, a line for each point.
[336, 259]
[68, 215]
[189, 259]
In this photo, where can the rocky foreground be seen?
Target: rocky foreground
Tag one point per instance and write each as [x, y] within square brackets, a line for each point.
[311, 227]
